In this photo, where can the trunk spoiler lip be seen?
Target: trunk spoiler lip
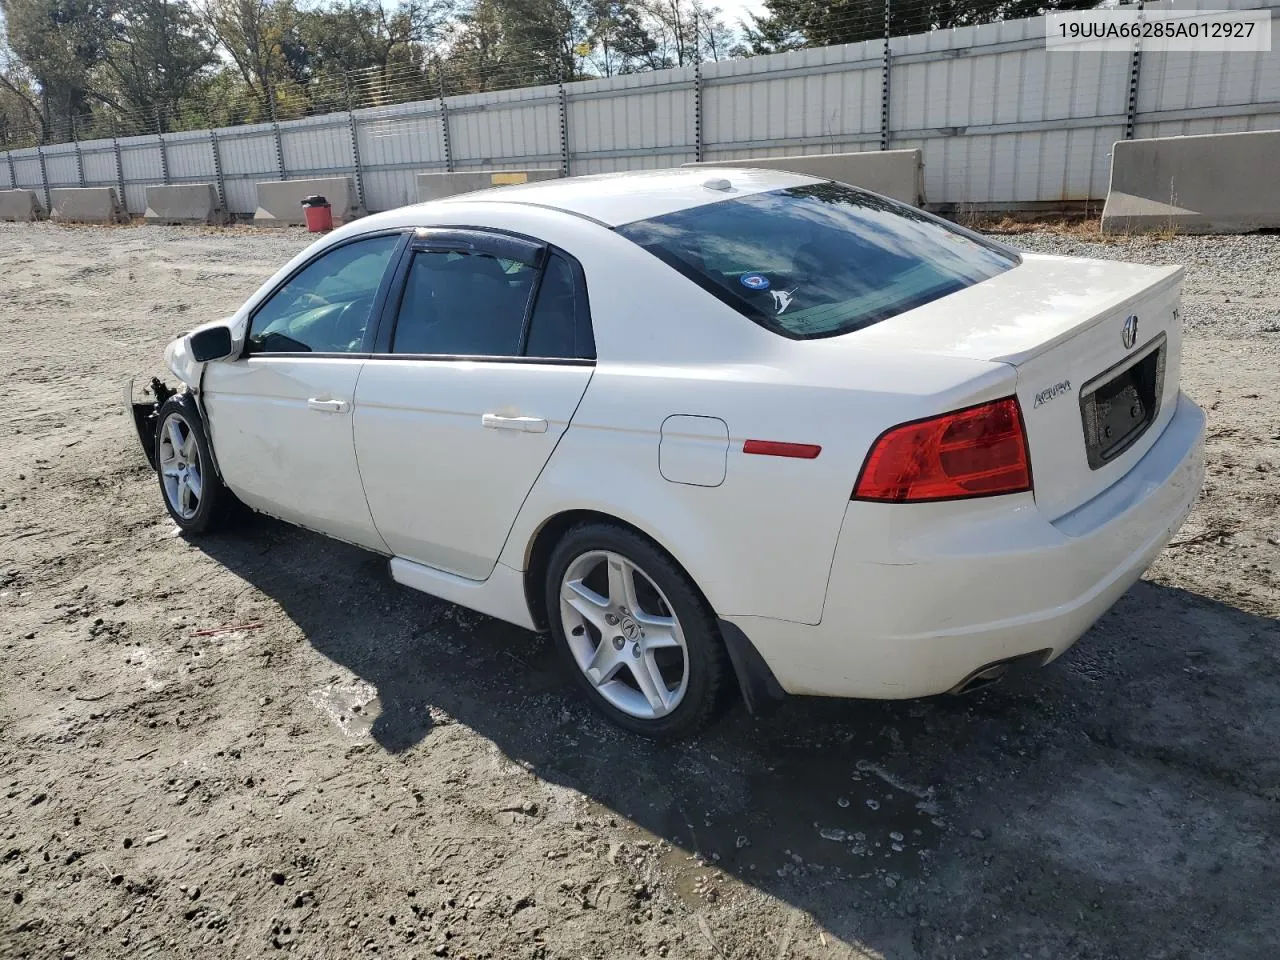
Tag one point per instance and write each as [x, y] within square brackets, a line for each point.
[1020, 314]
[1106, 310]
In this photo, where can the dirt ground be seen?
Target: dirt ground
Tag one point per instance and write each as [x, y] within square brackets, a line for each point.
[258, 743]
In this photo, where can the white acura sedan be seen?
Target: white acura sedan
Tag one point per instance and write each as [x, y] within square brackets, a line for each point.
[710, 427]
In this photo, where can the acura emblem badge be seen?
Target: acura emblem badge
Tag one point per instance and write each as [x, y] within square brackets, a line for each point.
[1129, 332]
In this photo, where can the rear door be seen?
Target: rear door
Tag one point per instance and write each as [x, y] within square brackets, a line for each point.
[280, 415]
[484, 354]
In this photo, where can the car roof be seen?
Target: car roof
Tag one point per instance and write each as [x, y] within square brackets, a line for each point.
[618, 198]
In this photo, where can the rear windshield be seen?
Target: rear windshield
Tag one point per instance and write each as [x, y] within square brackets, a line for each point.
[819, 260]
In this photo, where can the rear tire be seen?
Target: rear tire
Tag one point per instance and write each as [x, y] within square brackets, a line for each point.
[193, 493]
[639, 638]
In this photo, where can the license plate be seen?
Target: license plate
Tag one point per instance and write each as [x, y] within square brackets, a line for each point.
[1118, 406]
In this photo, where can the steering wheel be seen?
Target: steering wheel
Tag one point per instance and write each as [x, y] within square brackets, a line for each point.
[349, 323]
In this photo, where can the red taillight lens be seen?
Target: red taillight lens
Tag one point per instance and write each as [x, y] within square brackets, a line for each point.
[976, 452]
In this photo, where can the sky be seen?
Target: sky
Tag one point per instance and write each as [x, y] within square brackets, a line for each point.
[735, 10]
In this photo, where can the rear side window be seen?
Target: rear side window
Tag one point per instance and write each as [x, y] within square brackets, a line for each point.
[463, 304]
[819, 260]
[559, 326]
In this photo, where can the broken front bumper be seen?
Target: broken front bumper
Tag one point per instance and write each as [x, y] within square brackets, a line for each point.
[144, 413]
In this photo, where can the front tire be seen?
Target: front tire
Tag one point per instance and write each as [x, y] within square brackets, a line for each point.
[193, 492]
[638, 636]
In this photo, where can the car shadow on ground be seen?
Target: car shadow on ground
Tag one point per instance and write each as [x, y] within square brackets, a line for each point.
[1027, 801]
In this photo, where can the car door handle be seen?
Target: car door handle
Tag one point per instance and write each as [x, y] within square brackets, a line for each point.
[326, 406]
[524, 424]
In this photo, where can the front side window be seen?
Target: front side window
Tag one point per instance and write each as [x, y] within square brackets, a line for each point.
[818, 260]
[463, 303]
[325, 307]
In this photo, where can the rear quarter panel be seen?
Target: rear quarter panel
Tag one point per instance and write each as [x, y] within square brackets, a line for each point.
[762, 542]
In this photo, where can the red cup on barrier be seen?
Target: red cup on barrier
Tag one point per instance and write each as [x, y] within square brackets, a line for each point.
[319, 214]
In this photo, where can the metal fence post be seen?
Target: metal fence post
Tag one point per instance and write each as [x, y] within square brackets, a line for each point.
[355, 142]
[13, 173]
[115, 148]
[1135, 69]
[697, 111]
[164, 149]
[217, 170]
[164, 158]
[563, 99]
[75, 140]
[444, 123]
[884, 82]
[44, 181]
[275, 127]
[355, 156]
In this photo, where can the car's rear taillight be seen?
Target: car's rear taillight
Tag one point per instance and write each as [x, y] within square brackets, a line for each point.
[976, 452]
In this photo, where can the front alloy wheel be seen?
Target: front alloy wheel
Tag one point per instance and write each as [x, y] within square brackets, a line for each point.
[193, 492]
[181, 471]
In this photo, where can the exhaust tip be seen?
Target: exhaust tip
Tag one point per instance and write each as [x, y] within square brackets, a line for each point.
[995, 672]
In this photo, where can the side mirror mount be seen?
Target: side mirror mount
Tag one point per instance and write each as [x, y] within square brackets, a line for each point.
[213, 343]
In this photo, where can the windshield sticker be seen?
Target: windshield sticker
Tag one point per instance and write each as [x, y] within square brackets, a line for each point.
[782, 299]
[754, 281]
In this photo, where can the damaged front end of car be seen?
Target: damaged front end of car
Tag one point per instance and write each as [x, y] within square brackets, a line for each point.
[146, 411]
[186, 357]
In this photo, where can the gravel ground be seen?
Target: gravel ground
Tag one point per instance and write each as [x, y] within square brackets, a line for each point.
[257, 743]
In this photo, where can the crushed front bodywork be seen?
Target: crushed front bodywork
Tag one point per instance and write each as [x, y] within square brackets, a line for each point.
[144, 412]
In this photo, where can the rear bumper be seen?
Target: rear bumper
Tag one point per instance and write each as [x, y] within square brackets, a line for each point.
[921, 596]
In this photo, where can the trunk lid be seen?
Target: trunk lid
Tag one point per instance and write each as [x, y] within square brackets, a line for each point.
[1096, 388]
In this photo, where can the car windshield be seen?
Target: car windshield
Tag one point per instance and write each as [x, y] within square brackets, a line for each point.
[819, 260]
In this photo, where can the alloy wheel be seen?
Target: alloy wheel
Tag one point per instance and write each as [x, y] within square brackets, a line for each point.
[624, 634]
[180, 467]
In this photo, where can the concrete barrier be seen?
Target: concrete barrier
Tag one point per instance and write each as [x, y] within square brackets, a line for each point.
[20, 205]
[86, 205]
[1216, 183]
[434, 186]
[895, 173]
[280, 201]
[184, 203]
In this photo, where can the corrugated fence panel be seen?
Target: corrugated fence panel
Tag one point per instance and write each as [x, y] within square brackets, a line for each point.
[824, 100]
[190, 157]
[507, 129]
[140, 161]
[99, 160]
[248, 155]
[632, 122]
[317, 146]
[960, 96]
[395, 144]
[61, 166]
[26, 166]
[1183, 94]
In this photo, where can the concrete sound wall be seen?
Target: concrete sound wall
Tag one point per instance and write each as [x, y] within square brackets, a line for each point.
[185, 203]
[20, 205]
[280, 201]
[895, 173]
[434, 186]
[1217, 183]
[86, 205]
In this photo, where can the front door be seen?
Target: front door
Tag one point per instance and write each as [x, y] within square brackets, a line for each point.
[280, 417]
[489, 355]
